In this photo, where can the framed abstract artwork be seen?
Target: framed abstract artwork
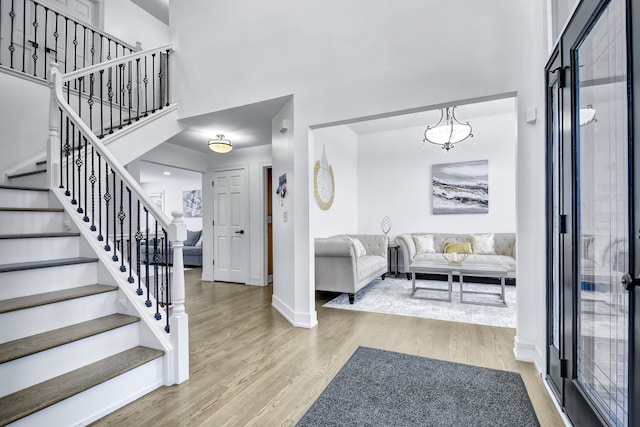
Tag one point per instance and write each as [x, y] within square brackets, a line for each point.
[460, 188]
[192, 203]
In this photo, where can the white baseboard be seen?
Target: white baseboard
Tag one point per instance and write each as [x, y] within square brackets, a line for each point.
[300, 320]
[527, 352]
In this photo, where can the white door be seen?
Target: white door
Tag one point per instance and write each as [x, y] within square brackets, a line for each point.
[230, 236]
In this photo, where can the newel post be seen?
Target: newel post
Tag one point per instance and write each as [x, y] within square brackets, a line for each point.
[53, 142]
[179, 321]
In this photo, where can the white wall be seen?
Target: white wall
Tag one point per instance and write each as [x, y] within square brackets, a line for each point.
[23, 123]
[397, 182]
[345, 60]
[172, 187]
[130, 23]
[341, 147]
[254, 160]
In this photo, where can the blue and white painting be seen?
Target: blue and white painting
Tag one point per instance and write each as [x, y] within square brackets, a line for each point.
[461, 188]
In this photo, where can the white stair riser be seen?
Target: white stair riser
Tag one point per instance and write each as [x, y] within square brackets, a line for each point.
[38, 249]
[21, 283]
[31, 370]
[23, 323]
[37, 180]
[23, 198]
[93, 404]
[13, 222]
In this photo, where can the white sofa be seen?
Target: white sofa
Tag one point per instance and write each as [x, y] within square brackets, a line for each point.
[340, 269]
[504, 245]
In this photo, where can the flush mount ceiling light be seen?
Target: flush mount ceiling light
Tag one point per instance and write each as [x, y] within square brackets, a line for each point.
[220, 144]
[448, 131]
[587, 115]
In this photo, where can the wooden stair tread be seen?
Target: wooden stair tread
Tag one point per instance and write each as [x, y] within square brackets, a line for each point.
[22, 187]
[38, 235]
[10, 209]
[23, 174]
[31, 210]
[47, 340]
[37, 300]
[19, 266]
[25, 402]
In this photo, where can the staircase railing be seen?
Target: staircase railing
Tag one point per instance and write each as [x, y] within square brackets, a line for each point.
[33, 34]
[142, 242]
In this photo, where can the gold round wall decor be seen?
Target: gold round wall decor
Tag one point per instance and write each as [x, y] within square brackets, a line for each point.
[323, 183]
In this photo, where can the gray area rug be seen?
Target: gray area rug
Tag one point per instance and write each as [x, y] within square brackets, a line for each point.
[383, 388]
[393, 296]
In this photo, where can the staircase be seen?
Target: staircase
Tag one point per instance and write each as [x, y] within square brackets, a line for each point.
[70, 350]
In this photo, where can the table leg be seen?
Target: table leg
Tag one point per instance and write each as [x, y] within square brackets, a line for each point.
[413, 280]
[502, 280]
[450, 284]
[461, 285]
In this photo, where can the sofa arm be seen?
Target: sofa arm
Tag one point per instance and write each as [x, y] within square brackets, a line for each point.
[408, 248]
[334, 247]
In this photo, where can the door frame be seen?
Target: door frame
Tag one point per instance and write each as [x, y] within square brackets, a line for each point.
[265, 166]
[571, 396]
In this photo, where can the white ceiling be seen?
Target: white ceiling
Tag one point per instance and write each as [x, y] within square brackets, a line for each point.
[157, 8]
[246, 126]
[153, 172]
[464, 113]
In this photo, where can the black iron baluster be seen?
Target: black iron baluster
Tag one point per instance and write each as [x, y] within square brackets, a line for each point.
[75, 47]
[153, 82]
[73, 162]
[107, 199]
[90, 101]
[147, 260]
[121, 217]
[78, 163]
[146, 84]
[12, 46]
[24, 33]
[115, 217]
[61, 150]
[167, 78]
[160, 86]
[121, 89]
[110, 96]
[129, 239]
[166, 278]
[86, 180]
[55, 38]
[156, 261]
[92, 180]
[35, 38]
[139, 237]
[67, 152]
[84, 46]
[129, 89]
[101, 105]
[44, 49]
[100, 237]
[93, 47]
[66, 44]
[137, 89]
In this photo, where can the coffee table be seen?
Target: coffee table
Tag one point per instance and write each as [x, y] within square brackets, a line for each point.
[470, 269]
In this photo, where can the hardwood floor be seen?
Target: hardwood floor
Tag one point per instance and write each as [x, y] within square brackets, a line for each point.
[249, 366]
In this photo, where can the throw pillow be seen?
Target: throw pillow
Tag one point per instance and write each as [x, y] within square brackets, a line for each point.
[483, 244]
[192, 237]
[424, 244]
[358, 247]
[199, 243]
[458, 247]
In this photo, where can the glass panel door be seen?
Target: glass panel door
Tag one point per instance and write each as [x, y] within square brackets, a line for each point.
[602, 253]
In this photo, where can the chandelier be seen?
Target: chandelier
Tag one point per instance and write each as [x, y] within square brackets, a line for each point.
[448, 131]
[220, 144]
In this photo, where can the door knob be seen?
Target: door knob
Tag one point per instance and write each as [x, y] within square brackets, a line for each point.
[240, 232]
[629, 282]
